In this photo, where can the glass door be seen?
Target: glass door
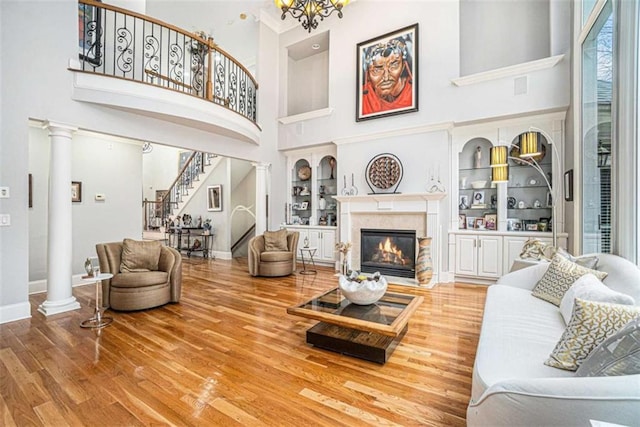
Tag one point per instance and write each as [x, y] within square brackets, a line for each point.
[597, 139]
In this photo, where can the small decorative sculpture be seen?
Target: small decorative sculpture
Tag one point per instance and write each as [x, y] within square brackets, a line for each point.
[88, 267]
[477, 157]
[332, 164]
[535, 249]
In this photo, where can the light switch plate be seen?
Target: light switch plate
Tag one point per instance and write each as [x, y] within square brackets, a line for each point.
[4, 192]
[5, 220]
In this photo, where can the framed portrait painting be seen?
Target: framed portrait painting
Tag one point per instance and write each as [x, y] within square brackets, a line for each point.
[387, 74]
[214, 198]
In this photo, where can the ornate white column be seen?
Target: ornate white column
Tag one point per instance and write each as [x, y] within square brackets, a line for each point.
[262, 187]
[59, 240]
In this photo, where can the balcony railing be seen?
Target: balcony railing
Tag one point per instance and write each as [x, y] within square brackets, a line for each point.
[120, 43]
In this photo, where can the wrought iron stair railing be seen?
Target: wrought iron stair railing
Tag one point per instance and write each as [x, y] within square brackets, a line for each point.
[157, 213]
[120, 43]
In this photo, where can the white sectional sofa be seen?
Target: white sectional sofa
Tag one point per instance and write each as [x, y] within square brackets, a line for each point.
[511, 384]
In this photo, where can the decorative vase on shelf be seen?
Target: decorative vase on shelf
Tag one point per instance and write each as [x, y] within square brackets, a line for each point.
[424, 265]
[322, 203]
[344, 265]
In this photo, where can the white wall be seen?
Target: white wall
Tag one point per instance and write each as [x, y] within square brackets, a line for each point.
[499, 33]
[96, 162]
[439, 100]
[160, 169]
[243, 192]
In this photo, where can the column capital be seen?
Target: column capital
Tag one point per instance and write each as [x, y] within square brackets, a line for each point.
[59, 129]
[261, 165]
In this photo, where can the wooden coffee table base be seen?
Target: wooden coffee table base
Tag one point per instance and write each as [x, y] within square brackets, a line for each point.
[363, 345]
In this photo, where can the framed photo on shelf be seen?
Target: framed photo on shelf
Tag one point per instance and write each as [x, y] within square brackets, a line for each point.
[471, 221]
[478, 197]
[214, 198]
[76, 191]
[478, 223]
[462, 221]
[464, 202]
[304, 206]
[532, 227]
[549, 199]
[491, 221]
[391, 57]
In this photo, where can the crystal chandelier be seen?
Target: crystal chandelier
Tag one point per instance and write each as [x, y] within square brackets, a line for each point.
[307, 11]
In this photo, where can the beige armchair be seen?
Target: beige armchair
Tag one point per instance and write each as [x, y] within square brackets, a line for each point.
[273, 253]
[145, 274]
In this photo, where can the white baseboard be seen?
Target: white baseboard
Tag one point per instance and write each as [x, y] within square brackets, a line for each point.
[13, 312]
[40, 286]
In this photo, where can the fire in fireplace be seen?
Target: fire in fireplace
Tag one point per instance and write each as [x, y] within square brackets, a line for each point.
[391, 252]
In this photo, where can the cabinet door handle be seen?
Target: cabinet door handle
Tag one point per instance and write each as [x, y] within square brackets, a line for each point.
[479, 243]
[474, 243]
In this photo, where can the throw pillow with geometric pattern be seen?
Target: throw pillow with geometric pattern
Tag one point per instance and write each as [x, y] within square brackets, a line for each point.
[559, 277]
[591, 323]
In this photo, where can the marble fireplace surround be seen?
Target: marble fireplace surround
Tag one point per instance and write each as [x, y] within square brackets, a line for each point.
[414, 211]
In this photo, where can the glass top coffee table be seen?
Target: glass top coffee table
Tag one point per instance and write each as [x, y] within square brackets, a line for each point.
[369, 332]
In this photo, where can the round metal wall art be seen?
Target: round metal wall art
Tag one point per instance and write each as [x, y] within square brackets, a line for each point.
[384, 173]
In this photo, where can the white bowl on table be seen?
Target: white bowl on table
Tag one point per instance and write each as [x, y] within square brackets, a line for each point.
[478, 184]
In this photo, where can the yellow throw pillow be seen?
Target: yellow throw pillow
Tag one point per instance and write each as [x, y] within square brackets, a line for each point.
[559, 277]
[591, 323]
[275, 241]
[139, 255]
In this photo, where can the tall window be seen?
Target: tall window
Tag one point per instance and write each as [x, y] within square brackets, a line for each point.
[598, 85]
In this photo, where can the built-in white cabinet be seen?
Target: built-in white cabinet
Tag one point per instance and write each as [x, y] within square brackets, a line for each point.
[484, 256]
[325, 241]
[478, 255]
[512, 248]
[322, 238]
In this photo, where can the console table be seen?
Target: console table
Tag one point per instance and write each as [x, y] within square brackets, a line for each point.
[184, 239]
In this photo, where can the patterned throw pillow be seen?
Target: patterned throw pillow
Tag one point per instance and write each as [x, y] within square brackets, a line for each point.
[590, 261]
[275, 241]
[589, 288]
[617, 355]
[591, 323]
[559, 277]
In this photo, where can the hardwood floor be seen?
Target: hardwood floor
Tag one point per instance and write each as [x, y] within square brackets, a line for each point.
[229, 354]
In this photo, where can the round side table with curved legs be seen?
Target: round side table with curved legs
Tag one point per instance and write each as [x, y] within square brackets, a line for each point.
[98, 320]
[310, 252]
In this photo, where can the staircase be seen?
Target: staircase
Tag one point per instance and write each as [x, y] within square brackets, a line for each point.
[158, 214]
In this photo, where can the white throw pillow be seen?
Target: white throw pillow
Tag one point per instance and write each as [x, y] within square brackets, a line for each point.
[589, 288]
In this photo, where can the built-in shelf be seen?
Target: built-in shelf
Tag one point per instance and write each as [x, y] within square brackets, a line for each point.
[510, 71]
[306, 116]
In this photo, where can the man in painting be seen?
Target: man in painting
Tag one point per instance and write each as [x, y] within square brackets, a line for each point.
[387, 78]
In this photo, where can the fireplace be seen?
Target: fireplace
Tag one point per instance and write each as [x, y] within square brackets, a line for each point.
[391, 252]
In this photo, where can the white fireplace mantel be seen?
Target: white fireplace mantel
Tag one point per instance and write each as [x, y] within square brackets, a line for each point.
[427, 204]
